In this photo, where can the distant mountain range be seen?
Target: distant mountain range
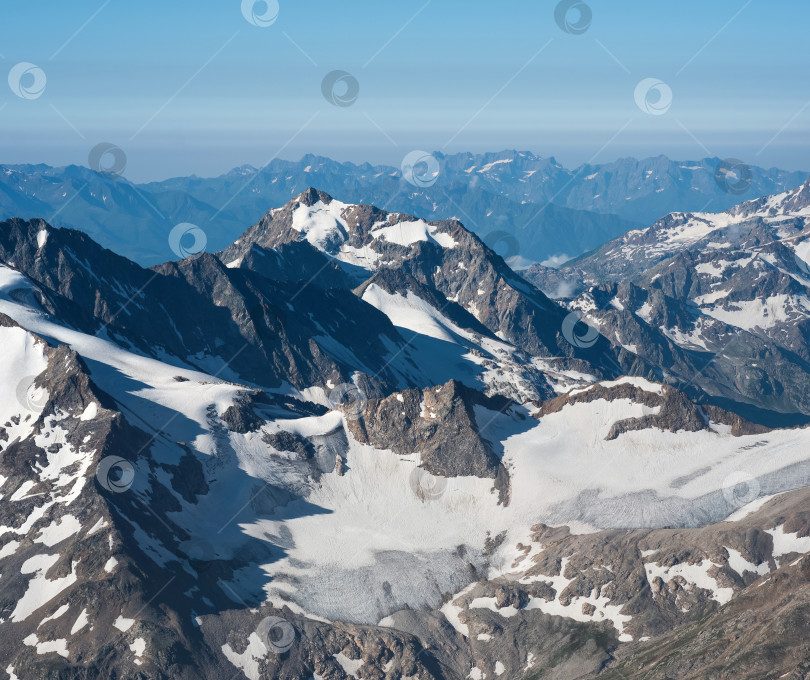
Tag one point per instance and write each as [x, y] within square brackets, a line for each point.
[529, 208]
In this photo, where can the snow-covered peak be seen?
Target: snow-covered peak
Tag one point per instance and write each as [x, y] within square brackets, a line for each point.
[322, 224]
[359, 237]
[326, 225]
[682, 228]
[750, 226]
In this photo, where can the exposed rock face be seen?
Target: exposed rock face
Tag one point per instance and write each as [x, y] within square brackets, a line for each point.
[59, 530]
[748, 225]
[288, 441]
[297, 262]
[91, 600]
[667, 589]
[274, 308]
[761, 632]
[439, 423]
[241, 417]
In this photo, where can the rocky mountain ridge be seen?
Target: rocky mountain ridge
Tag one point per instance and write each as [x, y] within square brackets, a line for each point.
[719, 301]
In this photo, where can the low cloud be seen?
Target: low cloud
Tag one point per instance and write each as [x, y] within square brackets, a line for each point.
[556, 261]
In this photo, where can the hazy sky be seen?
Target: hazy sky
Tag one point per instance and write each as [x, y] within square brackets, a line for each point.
[194, 87]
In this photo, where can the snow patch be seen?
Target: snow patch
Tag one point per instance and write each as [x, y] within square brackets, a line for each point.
[349, 666]
[41, 590]
[63, 609]
[408, 233]
[58, 646]
[694, 574]
[58, 530]
[739, 564]
[786, 544]
[139, 647]
[90, 412]
[123, 624]
[81, 622]
[247, 661]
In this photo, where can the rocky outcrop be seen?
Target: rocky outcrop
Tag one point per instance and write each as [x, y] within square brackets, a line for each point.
[674, 411]
[695, 600]
[439, 423]
[241, 416]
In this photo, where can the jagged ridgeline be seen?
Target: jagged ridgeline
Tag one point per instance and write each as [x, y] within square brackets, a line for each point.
[531, 208]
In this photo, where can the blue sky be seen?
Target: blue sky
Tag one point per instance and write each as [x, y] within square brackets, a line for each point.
[191, 87]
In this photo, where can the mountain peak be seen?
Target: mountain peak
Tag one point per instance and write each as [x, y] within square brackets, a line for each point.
[343, 231]
[312, 196]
